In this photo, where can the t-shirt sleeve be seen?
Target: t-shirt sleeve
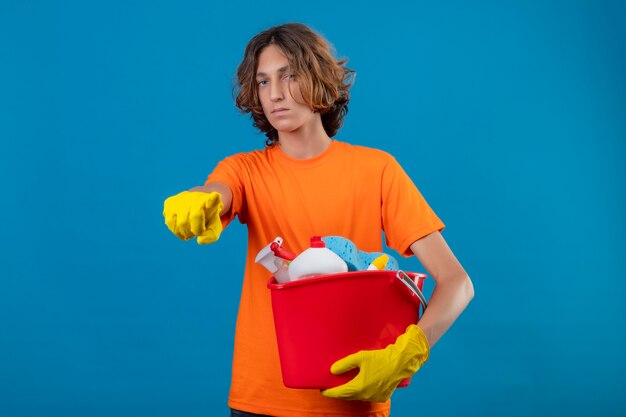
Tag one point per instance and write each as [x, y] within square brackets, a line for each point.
[406, 215]
[229, 171]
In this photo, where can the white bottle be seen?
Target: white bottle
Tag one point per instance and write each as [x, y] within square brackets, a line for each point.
[316, 260]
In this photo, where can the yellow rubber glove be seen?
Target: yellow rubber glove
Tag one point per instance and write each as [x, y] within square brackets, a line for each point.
[381, 370]
[194, 213]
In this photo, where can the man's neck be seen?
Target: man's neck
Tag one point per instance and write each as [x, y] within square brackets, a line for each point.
[304, 143]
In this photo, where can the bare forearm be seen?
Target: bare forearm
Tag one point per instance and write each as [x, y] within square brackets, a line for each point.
[453, 287]
[447, 302]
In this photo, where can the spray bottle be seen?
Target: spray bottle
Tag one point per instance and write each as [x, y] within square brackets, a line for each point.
[275, 259]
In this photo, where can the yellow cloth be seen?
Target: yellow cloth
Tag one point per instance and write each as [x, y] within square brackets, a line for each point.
[380, 371]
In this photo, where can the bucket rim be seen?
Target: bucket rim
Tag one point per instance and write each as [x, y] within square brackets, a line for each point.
[272, 284]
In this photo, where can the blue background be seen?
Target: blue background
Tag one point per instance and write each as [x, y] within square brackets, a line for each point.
[509, 116]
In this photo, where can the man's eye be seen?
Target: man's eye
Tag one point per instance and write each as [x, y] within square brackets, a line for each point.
[262, 83]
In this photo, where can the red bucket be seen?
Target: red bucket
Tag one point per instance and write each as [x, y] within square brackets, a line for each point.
[322, 319]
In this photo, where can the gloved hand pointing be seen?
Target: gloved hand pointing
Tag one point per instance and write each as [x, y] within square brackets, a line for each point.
[381, 370]
[194, 213]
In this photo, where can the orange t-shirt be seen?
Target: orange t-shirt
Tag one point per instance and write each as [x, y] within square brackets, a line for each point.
[347, 190]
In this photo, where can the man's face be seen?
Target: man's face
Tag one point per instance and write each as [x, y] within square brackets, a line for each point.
[279, 92]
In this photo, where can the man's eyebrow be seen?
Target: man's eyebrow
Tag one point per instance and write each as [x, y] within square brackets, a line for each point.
[281, 69]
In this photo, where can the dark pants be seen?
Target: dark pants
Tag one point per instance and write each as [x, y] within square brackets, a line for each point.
[237, 413]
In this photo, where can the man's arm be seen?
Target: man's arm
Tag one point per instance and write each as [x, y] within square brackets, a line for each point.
[220, 187]
[381, 370]
[453, 287]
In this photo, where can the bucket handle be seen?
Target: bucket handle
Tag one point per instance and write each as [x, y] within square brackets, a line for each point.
[412, 286]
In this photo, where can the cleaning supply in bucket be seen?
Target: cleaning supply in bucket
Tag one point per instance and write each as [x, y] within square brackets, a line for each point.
[379, 263]
[316, 260]
[357, 260]
[275, 259]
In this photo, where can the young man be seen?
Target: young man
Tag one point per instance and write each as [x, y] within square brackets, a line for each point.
[305, 183]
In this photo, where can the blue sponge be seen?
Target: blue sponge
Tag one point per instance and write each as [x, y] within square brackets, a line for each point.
[357, 260]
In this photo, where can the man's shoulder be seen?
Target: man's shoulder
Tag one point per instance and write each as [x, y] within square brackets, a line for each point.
[361, 151]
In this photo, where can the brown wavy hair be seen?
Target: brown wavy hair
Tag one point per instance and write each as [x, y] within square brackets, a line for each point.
[324, 80]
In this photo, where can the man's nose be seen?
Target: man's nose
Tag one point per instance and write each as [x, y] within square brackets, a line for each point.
[276, 91]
